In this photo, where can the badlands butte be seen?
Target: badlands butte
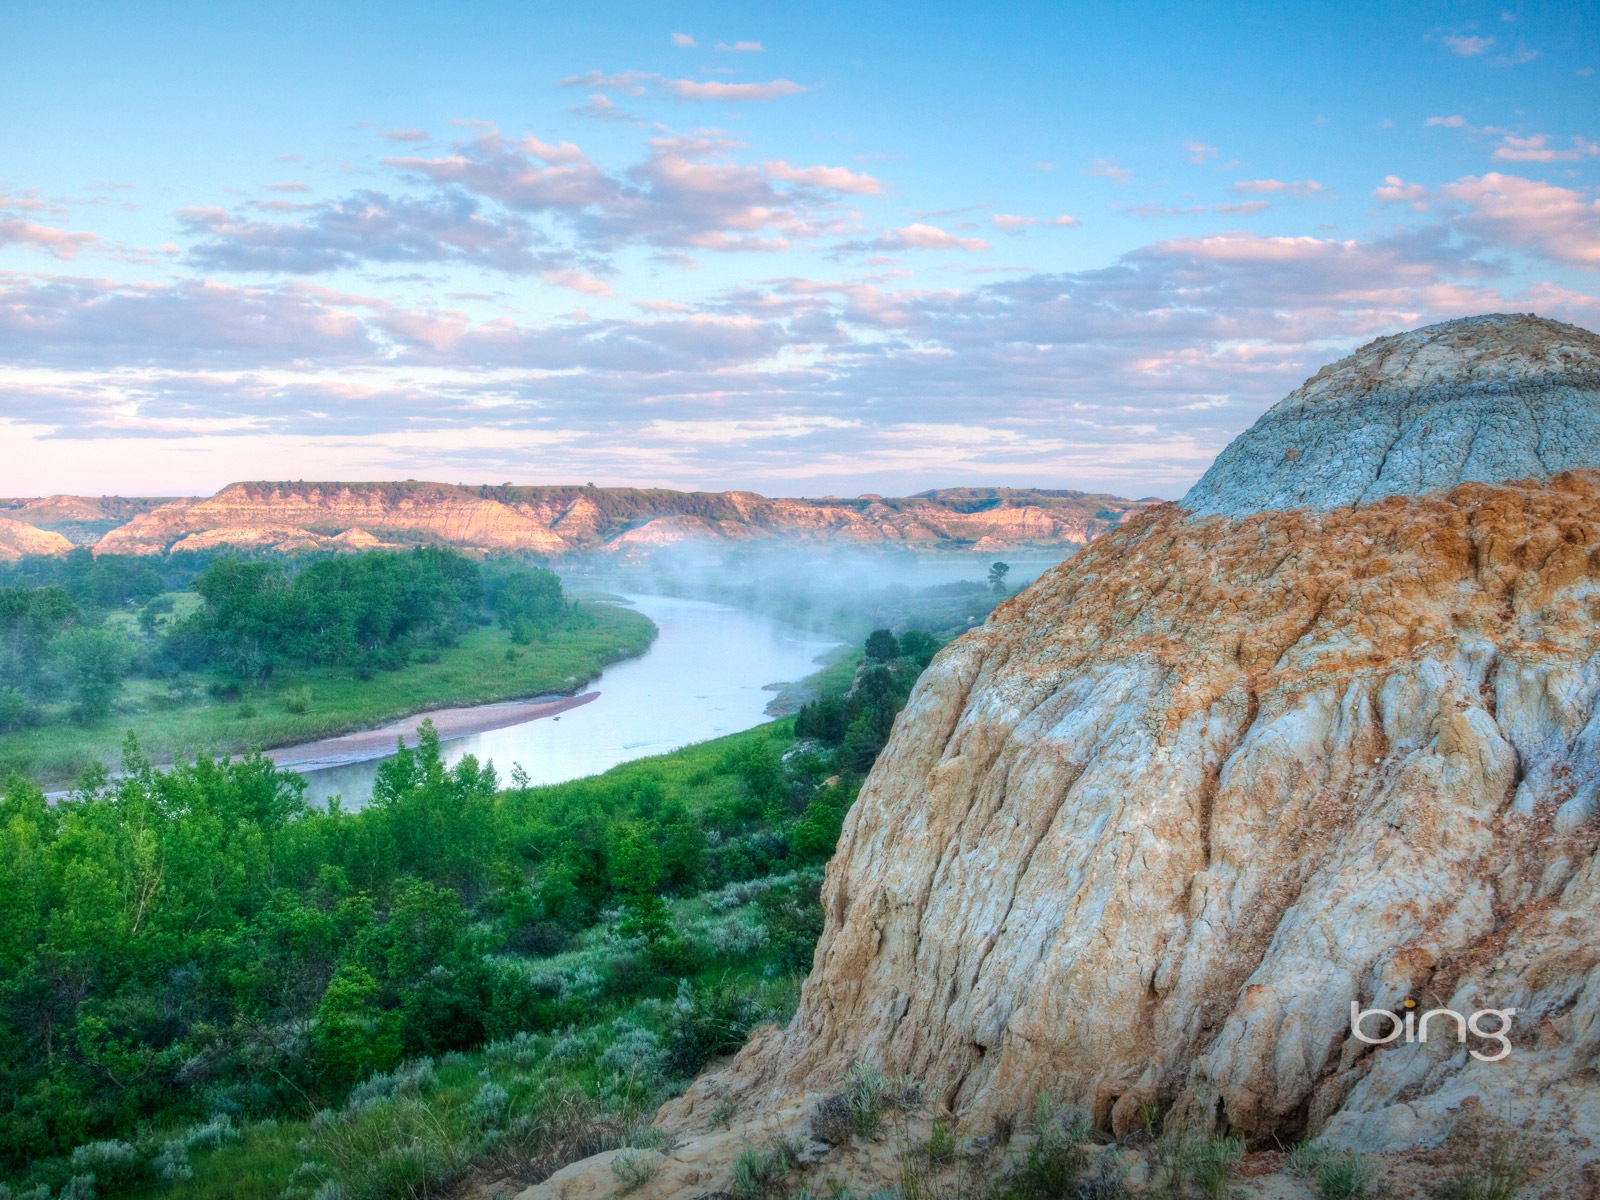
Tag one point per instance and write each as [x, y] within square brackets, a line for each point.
[1323, 731]
[548, 521]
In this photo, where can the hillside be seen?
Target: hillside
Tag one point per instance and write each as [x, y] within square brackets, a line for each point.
[552, 521]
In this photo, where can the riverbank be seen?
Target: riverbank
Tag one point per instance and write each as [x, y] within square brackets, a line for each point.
[484, 667]
[449, 723]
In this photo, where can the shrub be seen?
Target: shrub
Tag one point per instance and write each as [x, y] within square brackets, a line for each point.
[111, 1164]
[1054, 1160]
[489, 1105]
[757, 1172]
[833, 1120]
[1494, 1164]
[297, 700]
[941, 1145]
[635, 1168]
[1334, 1174]
[1211, 1164]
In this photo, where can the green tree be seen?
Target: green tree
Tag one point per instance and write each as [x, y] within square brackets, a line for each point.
[997, 576]
[94, 660]
[881, 646]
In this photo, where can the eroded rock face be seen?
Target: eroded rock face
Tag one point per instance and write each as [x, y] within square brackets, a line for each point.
[1145, 835]
[1478, 400]
[17, 539]
[552, 521]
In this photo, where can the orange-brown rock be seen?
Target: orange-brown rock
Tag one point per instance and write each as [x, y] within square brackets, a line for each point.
[17, 539]
[284, 515]
[557, 520]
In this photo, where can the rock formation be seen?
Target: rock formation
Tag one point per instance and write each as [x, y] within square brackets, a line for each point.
[1471, 401]
[551, 521]
[17, 539]
[1145, 836]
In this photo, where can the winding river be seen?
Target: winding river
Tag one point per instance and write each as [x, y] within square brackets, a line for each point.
[711, 671]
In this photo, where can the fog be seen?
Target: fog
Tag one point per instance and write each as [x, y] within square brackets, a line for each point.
[842, 591]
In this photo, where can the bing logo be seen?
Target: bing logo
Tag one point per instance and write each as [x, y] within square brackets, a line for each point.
[1414, 1028]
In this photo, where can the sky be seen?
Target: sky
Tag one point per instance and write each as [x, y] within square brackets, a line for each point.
[800, 249]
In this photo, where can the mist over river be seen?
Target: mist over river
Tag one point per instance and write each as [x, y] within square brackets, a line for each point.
[710, 672]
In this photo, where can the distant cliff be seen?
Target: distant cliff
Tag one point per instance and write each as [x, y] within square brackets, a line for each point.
[554, 521]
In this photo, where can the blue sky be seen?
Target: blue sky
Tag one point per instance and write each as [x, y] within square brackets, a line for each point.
[798, 249]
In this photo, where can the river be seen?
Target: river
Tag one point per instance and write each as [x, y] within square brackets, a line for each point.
[711, 671]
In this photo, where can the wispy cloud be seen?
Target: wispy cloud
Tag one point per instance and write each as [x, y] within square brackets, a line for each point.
[1537, 148]
[1012, 224]
[1303, 188]
[639, 83]
[684, 40]
[918, 236]
[410, 136]
[1466, 46]
[367, 226]
[740, 47]
[1109, 168]
[838, 179]
[1199, 152]
[61, 243]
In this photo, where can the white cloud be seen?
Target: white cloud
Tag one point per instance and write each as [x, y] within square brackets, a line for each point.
[1109, 168]
[683, 39]
[838, 179]
[918, 236]
[1464, 46]
[1279, 187]
[1537, 148]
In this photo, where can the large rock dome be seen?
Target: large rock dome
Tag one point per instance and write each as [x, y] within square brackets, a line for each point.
[1479, 400]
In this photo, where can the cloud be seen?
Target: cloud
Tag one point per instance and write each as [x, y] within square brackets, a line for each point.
[838, 179]
[684, 40]
[1455, 121]
[1199, 152]
[1246, 206]
[1463, 46]
[367, 226]
[687, 193]
[741, 47]
[405, 135]
[1011, 224]
[1537, 148]
[1394, 190]
[918, 236]
[1128, 376]
[61, 243]
[1108, 168]
[1279, 187]
[695, 89]
[91, 322]
[639, 83]
[599, 107]
[290, 186]
[1066, 221]
[1553, 222]
[578, 282]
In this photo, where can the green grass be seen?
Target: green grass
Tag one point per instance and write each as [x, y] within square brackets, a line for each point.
[483, 667]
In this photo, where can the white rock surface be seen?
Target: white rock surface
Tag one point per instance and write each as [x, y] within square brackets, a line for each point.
[1478, 400]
